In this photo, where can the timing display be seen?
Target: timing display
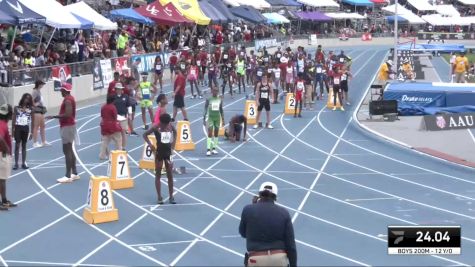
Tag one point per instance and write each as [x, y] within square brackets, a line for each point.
[424, 240]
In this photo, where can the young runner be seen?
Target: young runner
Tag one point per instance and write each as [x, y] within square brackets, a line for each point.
[264, 93]
[309, 92]
[235, 128]
[213, 73]
[337, 88]
[22, 119]
[158, 72]
[299, 91]
[241, 71]
[289, 76]
[165, 134]
[162, 103]
[226, 71]
[179, 95]
[215, 117]
[345, 77]
[173, 61]
[146, 91]
[276, 78]
[193, 72]
[6, 155]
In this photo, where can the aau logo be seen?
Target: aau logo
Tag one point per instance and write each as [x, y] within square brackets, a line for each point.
[440, 121]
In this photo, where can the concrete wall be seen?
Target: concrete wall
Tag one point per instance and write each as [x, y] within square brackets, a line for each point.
[82, 90]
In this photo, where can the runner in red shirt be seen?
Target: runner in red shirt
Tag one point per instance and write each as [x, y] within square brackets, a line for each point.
[67, 124]
[173, 61]
[202, 62]
[179, 94]
[111, 89]
[110, 128]
[193, 73]
[6, 113]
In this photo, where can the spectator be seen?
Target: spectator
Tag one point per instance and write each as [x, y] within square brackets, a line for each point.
[5, 157]
[268, 231]
[39, 112]
[110, 128]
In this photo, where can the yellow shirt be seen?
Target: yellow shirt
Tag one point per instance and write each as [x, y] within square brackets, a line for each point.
[461, 64]
[383, 72]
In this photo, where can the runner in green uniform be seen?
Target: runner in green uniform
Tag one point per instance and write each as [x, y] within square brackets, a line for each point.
[241, 71]
[146, 92]
[215, 116]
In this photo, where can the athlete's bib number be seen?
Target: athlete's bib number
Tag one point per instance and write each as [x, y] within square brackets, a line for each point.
[289, 70]
[22, 120]
[198, 63]
[165, 137]
[259, 73]
[215, 106]
[158, 67]
[300, 85]
[104, 202]
[336, 81]
[319, 70]
[264, 95]
[343, 78]
[146, 93]
[182, 66]
[193, 72]
[225, 56]
[277, 74]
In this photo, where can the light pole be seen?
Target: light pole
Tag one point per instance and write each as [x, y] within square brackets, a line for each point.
[395, 34]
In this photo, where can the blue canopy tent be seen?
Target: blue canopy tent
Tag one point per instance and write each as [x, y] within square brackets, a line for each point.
[399, 19]
[211, 12]
[6, 19]
[129, 14]
[359, 2]
[274, 18]
[248, 13]
[223, 9]
[20, 13]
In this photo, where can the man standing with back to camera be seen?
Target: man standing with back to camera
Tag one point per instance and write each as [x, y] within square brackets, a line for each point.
[268, 231]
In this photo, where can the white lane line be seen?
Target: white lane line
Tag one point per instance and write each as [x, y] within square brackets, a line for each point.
[26, 263]
[371, 199]
[3, 261]
[73, 213]
[78, 263]
[289, 208]
[154, 215]
[162, 243]
[174, 205]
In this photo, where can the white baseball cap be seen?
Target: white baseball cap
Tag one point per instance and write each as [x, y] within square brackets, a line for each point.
[268, 186]
[390, 62]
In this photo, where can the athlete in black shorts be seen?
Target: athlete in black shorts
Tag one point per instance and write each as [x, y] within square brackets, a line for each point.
[165, 134]
[264, 93]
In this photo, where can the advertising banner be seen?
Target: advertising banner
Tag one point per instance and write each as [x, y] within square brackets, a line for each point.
[454, 121]
[61, 74]
[97, 82]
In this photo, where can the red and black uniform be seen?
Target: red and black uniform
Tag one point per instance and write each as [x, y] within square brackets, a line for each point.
[337, 87]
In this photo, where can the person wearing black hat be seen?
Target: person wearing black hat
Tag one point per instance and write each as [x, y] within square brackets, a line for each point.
[268, 230]
[5, 157]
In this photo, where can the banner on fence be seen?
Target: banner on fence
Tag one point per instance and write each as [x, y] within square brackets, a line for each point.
[61, 74]
[98, 82]
[122, 66]
[107, 73]
[267, 43]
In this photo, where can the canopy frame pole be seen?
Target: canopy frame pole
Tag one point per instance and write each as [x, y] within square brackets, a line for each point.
[51, 37]
[13, 39]
[395, 35]
[170, 35]
[41, 38]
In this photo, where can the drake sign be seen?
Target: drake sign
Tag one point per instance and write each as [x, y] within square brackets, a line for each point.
[449, 121]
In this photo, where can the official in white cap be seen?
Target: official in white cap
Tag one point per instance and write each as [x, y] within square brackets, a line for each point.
[268, 230]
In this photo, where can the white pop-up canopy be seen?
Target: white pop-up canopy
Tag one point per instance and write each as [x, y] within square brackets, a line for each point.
[231, 2]
[439, 20]
[319, 3]
[56, 15]
[448, 10]
[257, 4]
[467, 2]
[421, 5]
[83, 10]
[404, 13]
[343, 15]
